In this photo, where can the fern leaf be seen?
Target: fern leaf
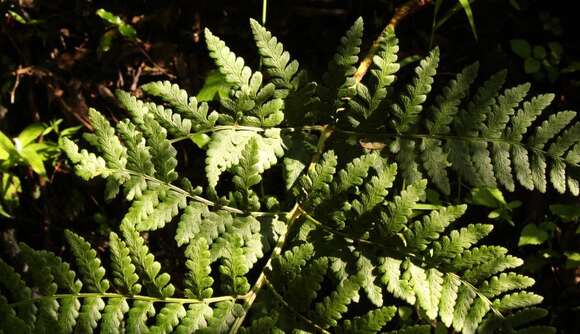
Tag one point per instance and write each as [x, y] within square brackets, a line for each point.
[475, 315]
[517, 300]
[503, 283]
[415, 329]
[225, 151]
[138, 315]
[112, 322]
[124, 275]
[331, 308]
[68, 313]
[375, 190]
[371, 322]
[460, 240]
[400, 208]
[338, 82]
[447, 104]
[89, 264]
[315, 184]
[522, 120]
[427, 286]
[276, 60]
[465, 298]
[87, 165]
[138, 159]
[472, 119]
[355, 172]
[420, 233]
[550, 128]
[167, 207]
[231, 66]
[306, 286]
[367, 280]
[493, 266]
[500, 113]
[9, 322]
[224, 315]
[195, 318]
[447, 302]
[189, 223]
[168, 318]
[401, 288]
[12, 282]
[411, 105]
[114, 153]
[407, 161]
[198, 279]
[175, 125]
[384, 67]
[233, 269]
[156, 283]
[90, 314]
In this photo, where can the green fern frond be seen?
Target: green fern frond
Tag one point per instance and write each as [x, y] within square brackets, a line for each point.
[89, 264]
[371, 322]
[411, 105]
[187, 106]
[331, 308]
[226, 147]
[124, 275]
[158, 284]
[198, 279]
[113, 316]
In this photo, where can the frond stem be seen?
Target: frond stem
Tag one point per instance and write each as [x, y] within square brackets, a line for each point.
[401, 12]
[133, 297]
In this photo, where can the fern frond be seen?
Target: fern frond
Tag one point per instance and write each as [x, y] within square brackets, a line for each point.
[90, 314]
[187, 106]
[198, 279]
[168, 318]
[225, 151]
[331, 308]
[421, 233]
[224, 315]
[113, 315]
[114, 153]
[89, 264]
[401, 208]
[276, 60]
[195, 318]
[231, 66]
[124, 275]
[12, 282]
[411, 105]
[158, 284]
[139, 314]
[315, 184]
[371, 322]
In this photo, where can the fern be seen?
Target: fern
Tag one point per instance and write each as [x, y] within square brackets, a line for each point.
[347, 246]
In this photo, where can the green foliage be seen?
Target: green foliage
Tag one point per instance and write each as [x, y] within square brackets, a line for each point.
[32, 148]
[357, 242]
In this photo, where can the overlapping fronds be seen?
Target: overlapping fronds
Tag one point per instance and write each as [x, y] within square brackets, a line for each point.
[345, 247]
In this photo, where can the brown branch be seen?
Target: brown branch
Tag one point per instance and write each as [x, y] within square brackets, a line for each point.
[402, 12]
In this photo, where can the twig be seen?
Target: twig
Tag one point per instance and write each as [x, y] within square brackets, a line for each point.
[402, 12]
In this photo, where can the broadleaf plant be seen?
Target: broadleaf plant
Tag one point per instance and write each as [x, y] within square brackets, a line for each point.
[348, 245]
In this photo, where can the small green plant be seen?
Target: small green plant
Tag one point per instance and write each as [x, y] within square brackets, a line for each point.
[493, 198]
[350, 247]
[117, 27]
[540, 61]
[29, 149]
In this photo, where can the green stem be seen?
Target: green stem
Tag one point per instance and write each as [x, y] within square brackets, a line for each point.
[291, 218]
[133, 297]
[264, 11]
